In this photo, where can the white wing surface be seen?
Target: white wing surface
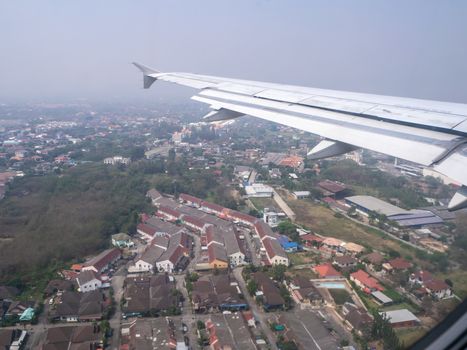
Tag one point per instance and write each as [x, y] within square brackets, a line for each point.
[430, 133]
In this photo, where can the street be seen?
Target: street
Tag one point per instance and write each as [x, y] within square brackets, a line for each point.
[259, 314]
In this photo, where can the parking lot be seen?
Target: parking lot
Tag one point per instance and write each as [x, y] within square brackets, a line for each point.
[310, 330]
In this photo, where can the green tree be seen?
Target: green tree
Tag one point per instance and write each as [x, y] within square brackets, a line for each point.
[252, 287]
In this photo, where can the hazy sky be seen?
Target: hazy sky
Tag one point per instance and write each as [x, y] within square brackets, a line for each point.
[57, 50]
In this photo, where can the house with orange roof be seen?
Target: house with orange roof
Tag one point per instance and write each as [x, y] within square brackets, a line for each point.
[327, 271]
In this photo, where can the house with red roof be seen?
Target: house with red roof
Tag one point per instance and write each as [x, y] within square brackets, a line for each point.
[327, 271]
[212, 208]
[240, 217]
[169, 213]
[194, 224]
[190, 200]
[367, 283]
[437, 288]
[311, 240]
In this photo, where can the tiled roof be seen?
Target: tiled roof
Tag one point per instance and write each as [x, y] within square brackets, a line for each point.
[327, 270]
[367, 280]
[188, 198]
[399, 264]
[103, 259]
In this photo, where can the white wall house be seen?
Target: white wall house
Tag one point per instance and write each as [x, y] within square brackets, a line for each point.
[88, 281]
[143, 266]
[165, 266]
[237, 259]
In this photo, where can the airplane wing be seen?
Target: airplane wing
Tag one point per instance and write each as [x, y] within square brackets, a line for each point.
[430, 133]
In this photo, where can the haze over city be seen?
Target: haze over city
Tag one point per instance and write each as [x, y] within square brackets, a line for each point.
[58, 50]
[312, 193]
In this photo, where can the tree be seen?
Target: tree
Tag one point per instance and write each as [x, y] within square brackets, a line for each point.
[381, 329]
[252, 287]
[289, 229]
[278, 272]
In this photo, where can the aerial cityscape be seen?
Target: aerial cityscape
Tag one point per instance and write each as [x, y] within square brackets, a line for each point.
[142, 220]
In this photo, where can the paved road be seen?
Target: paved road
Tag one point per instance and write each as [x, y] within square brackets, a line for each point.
[283, 205]
[255, 309]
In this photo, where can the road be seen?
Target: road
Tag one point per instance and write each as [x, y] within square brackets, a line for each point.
[116, 321]
[255, 260]
[257, 312]
[283, 205]
[187, 315]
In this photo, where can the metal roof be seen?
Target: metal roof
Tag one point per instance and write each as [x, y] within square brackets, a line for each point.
[376, 204]
[397, 316]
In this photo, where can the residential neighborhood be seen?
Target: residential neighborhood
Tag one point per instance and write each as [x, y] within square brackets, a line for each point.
[273, 252]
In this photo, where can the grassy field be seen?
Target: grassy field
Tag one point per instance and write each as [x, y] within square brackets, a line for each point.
[307, 273]
[261, 203]
[409, 336]
[301, 258]
[322, 221]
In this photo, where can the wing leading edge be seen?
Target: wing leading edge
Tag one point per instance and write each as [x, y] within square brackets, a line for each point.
[430, 133]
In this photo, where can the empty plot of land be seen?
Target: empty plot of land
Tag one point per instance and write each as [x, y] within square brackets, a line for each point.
[322, 221]
[310, 331]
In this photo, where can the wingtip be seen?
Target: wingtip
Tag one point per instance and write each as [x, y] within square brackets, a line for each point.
[148, 72]
[145, 69]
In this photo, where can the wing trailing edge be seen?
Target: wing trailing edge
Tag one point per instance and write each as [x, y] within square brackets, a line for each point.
[430, 133]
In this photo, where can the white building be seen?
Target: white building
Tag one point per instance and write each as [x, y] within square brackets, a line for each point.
[259, 190]
[116, 160]
[88, 281]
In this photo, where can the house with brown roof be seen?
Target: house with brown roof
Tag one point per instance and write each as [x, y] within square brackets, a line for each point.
[151, 295]
[345, 261]
[103, 261]
[332, 189]
[212, 293]
[86, 337]
[268, 292]
[195, 224]
[373, 258]
[427, 282]
[77, 307]
[303, 290]
[154, 195]
[212, 208]
[169, 213]
[240, 217]
[88, 281]
[190, 200]
[356, 318]
[397, 264]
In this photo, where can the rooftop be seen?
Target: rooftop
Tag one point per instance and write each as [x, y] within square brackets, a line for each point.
[397, 316]
[375, 204]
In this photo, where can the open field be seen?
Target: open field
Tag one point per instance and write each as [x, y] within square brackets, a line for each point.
[261, 203]
[322, 221]
[301, 258]
[410, 335]
[307, 273]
